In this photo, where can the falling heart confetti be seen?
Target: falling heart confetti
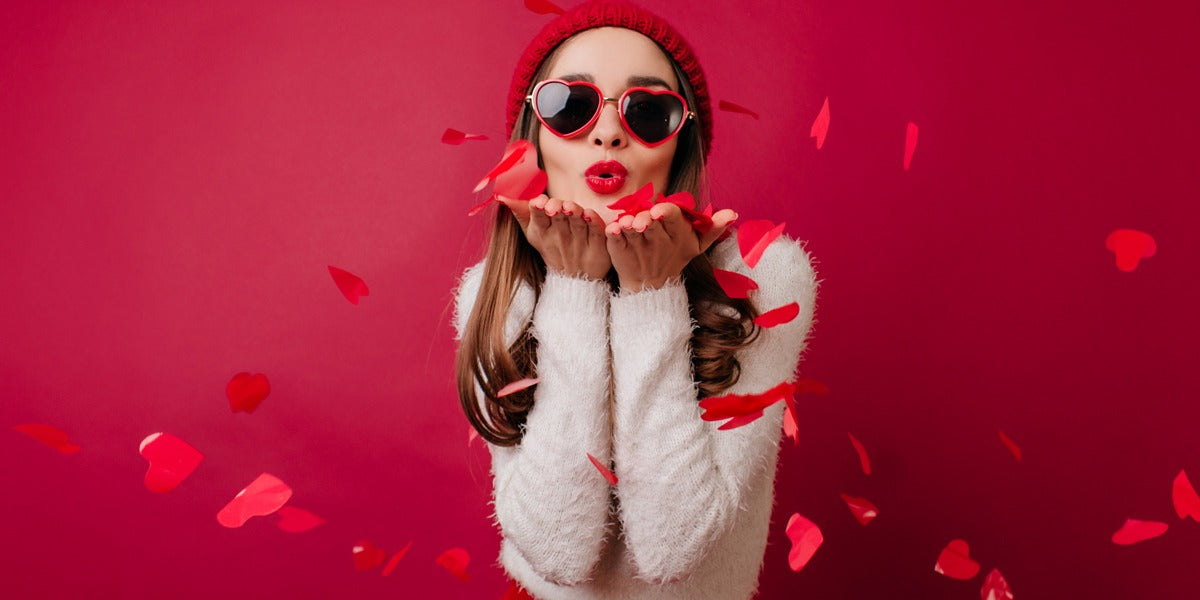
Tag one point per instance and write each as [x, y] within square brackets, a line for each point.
[517, 386]
[778, 316]
[543, 7]
[524, 181]
[820, 126]
[1134, 531]
[171, 461]
[605, 471]
[297, 520]
[791, 427]
[482, 205]
[516, 592]
[395, 560]
[736, 108]
[735, 285]
[1183, 496]
[1130, 246]
[730, 406]
[49, 435]
[455, 137]
[805, 537]
[351, 285]
[910, 143]
[995, 587]
[863, 460]
[637, 202]
[246, 391]
[265, 495]
[1013, 448]
[367, 556]
[512, 155]
[754, 237]
[701, 220]
[955, 561]
[862, 509]
[455, 560]
[740, 420]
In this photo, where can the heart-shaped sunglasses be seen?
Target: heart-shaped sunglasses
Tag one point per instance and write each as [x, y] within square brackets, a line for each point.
[567, 108]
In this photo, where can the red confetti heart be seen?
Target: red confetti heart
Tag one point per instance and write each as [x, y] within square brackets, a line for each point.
[701, 221]
[265, 495]
[1130, 246]
[367, 556]
[395, 560]
[1183, 496]
[455, 560]
[728, 406]
[863, 460]
[246, 391]
[820, 126]
[49, 435]
[862, 509]
[738, 421]
[634, 203]
[517, 386]
[516, 592]
[791, 427]
[297, 520]
[754, 237]
[524, 181]
[543, 7]
[735, 108]
[171, 461]
[955, 561]
[351, 286]
[910, 143]
[609, 476]
[482, 205]
[995, 587]
[735, 285]
[1013, 448]
[778, 316]
[1134, 531]
[513, 154]
[455, 137]
[806, 538]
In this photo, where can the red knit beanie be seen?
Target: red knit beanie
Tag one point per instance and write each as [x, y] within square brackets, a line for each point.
[609, 13]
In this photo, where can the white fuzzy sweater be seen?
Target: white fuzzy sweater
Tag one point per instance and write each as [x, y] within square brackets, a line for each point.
[689, 516]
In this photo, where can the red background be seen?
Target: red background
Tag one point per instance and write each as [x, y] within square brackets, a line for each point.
[177, 176]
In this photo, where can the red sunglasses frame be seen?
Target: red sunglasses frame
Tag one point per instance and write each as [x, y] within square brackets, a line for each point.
[687, 114]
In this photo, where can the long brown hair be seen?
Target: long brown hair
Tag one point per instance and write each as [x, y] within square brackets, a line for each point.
[483, 357]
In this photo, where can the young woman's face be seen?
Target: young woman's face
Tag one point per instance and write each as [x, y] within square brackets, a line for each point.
[615, 60]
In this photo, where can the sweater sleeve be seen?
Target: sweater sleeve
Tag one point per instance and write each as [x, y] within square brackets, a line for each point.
[682, 481]
[550, 502]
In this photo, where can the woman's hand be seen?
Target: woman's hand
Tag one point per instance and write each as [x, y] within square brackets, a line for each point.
[569, 237]
[655, 245]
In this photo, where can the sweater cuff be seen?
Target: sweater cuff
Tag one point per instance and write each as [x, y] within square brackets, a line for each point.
[571, 315]
[657, 312]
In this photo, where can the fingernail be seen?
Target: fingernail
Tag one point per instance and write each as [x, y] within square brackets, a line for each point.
[568, 213]
[587, 218]
[658, 218]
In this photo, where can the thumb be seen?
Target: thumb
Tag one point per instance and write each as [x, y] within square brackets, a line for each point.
[721, 221]
[519, 208]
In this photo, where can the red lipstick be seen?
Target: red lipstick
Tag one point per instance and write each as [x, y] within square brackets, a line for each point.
[606, 177]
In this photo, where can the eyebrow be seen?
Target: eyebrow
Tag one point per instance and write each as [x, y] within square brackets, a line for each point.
[633, 81]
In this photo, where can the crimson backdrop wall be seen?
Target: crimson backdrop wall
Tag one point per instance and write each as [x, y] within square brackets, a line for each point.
[177, 177]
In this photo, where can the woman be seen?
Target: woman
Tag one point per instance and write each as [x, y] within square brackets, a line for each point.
[622, 321]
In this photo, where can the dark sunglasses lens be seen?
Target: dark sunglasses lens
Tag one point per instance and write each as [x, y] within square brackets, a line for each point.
[652, 117]
[566, 109]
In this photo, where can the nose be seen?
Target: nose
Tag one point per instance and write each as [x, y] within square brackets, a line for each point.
[608, 132]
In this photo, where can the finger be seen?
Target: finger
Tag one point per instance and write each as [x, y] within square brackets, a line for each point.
[671, 219]
[553, 207]
[721, 221]
[595, 225]
[537, 215]
[641, 221]
[625, 222]
[656, 235]
[519, 209]
[574, 216]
